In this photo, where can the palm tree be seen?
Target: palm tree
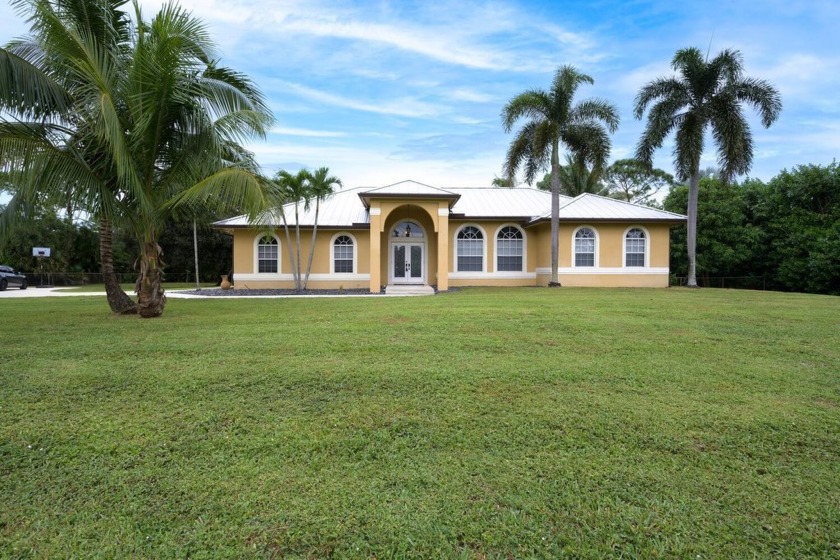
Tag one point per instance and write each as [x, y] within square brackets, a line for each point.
[705, 94]
[577, 178]
[502, 183]
[553, 120]
[321, 185]
[295, 190]
[138, 119]
[51, 144]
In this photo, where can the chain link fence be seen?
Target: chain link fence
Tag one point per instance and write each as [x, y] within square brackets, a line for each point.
[732, 282]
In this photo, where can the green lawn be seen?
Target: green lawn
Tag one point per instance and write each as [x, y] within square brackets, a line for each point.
[497, 423]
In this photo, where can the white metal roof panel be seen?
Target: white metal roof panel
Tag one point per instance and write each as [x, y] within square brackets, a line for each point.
[495, 202]
[345, 208]
[589, 206]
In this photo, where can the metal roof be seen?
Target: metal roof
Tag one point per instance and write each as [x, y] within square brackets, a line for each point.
[590, 206]
[346, 208]
[412, 188]
[495, 202]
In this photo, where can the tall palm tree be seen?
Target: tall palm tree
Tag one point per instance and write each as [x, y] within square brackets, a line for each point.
[295, 190]
[552, 120]
[151, 125]
[321, 185]
[705, 94]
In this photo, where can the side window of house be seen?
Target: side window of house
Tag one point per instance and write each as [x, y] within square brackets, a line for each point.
[470, 247]
[267, 255]
[634, 248]
[585, 247]
[509, 249]
[343, 254]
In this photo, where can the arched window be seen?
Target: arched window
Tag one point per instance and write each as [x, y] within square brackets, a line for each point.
[585, 247]
[267, 255]
[470, 250]
[509, 249]
[634, 248]
[343, 254]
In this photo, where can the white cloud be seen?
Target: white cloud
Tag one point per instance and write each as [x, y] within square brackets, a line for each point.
[465, 94]
[404, 106]
[291, 131]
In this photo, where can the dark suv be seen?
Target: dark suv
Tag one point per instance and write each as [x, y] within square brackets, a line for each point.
[8, 277]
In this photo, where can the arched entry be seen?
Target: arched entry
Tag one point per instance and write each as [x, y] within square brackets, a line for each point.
[407, 253]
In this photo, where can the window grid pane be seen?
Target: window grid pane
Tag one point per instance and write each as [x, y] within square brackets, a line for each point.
[585, 247]
[634, 248]
[509, 264]
[343, 254]
[635, 259]
[470, 253]
[267, 254]
[509, 250]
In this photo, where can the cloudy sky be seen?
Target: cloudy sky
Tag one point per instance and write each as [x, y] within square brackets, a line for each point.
[383, 91]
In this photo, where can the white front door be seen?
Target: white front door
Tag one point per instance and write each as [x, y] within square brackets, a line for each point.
[407, 263]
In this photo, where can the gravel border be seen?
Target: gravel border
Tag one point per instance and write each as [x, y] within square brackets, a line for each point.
[217, 292]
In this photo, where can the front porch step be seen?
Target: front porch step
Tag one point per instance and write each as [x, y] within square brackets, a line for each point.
[408, 290]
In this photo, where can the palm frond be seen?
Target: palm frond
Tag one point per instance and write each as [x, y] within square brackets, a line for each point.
[596, 110]
[532, 104]
[763, 97]
[27, 91]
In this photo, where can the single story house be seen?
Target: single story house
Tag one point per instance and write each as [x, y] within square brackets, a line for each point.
[413, 234]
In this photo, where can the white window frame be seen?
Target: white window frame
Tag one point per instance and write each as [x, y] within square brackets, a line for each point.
[355, 253]
[496, 250]
[624, 247]
[483, 248]
[597, 247]
[257, 255]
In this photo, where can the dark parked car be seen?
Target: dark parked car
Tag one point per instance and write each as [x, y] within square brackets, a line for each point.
[9, 277]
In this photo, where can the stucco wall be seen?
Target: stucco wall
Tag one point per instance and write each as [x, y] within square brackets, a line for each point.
[609, 270]
[245, 273]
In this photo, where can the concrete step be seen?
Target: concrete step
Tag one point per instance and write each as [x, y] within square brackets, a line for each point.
[408, 290]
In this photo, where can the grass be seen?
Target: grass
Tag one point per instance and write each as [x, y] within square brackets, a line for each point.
[129, 288]
[486, 423]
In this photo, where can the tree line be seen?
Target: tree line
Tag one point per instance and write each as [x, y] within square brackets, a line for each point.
[786, 231]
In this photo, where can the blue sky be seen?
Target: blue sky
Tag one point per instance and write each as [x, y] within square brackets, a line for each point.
[385, 91]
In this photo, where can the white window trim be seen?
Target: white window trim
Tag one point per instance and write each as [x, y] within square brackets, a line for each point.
[257, 256]
[624, 248]
[483, 247]
[597, 247]
[355, 254]
[496, 250]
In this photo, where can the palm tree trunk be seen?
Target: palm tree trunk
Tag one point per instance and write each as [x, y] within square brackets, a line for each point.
[693, 191]
[555, 216]
[289, 248]
[312, 243]
[150, 298]
[297, 245]
[118, 300]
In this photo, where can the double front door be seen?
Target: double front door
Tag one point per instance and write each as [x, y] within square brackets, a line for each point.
[407, 263]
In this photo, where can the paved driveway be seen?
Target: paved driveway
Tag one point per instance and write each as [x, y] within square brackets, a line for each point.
[64, 292]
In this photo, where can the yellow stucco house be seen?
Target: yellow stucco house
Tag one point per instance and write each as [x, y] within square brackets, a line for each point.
[418, 236]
